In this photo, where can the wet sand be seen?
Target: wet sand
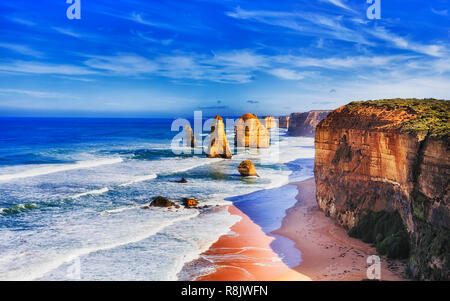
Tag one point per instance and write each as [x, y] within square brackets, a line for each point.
[246, 255]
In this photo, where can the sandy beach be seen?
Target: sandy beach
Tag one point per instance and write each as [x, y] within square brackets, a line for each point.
[327, 252]
[245, 255]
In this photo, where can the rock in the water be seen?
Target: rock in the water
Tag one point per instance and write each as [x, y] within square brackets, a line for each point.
[190, 138]
[190, 203]
[249, 132]
[247, 169]
[160, 201]
[269, 122]
[218, 145]
[183, 180]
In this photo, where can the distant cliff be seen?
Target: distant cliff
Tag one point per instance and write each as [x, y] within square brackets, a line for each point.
[393, 156]
[284, 122]
[304, 124]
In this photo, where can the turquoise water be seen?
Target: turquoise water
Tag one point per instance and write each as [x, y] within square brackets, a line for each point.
[71, 192]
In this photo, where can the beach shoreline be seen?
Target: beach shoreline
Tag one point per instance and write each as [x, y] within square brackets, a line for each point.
[327, 252]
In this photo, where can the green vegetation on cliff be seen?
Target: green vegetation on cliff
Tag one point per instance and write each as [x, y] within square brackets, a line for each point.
[385, 230]
[431, 258]
[432, 115]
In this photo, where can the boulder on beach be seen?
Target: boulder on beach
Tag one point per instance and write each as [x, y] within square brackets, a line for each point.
[190, 202]
[160, 201]
[247, 169]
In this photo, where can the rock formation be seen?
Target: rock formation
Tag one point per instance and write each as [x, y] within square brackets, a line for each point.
[390, 155]
[283, 122]
[218, 145]
[249, 132]
[182, 181]
[160, 201]
[304, 124]
[190, 138]
[190, 202]
[269, 122]
[247, 169]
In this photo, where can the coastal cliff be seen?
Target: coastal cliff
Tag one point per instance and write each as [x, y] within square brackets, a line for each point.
[304, 124]
[390, 156]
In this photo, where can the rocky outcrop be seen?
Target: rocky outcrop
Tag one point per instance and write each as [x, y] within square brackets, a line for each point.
[250, 132]
[304, 124]
[283, 122]
[160, 201]
[190, 203]
[247, 169]
[218, 145]
[390, 155]
[190, 138]
[269, 122]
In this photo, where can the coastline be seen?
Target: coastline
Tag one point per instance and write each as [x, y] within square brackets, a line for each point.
[327, 252]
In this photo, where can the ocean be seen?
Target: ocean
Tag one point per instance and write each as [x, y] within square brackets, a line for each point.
[71, 192]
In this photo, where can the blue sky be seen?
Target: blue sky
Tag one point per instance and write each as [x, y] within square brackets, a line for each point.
[167, 58]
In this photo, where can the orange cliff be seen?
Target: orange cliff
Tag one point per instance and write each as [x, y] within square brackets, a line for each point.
[250, 132]
[390, 155]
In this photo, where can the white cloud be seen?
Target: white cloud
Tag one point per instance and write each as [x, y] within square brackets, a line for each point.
[42, 68]
[67, 32]
[22, 49]
[400, 42]
[338, 3]
[287, 74]
[37, 94]
[122, 64]
[443, 12]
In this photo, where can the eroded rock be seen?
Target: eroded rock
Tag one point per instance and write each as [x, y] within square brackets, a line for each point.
[247, 169]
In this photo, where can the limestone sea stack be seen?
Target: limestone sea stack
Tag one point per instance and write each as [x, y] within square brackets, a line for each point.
[304, 124]
[247, 169]
[250, 132]
[218, 145]
[390, 156]
[269, 122]
[283, 122]
[190, 138]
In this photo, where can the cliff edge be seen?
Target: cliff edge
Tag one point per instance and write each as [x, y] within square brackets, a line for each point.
[390, 156]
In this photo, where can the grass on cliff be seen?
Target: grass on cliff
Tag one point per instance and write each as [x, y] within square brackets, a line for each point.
[432, 114]
[385, 230]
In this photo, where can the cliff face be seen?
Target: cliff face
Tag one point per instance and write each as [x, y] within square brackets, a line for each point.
[250, 132]
[304, 124]
[218, 146]
[378, 156]
[284, 122]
